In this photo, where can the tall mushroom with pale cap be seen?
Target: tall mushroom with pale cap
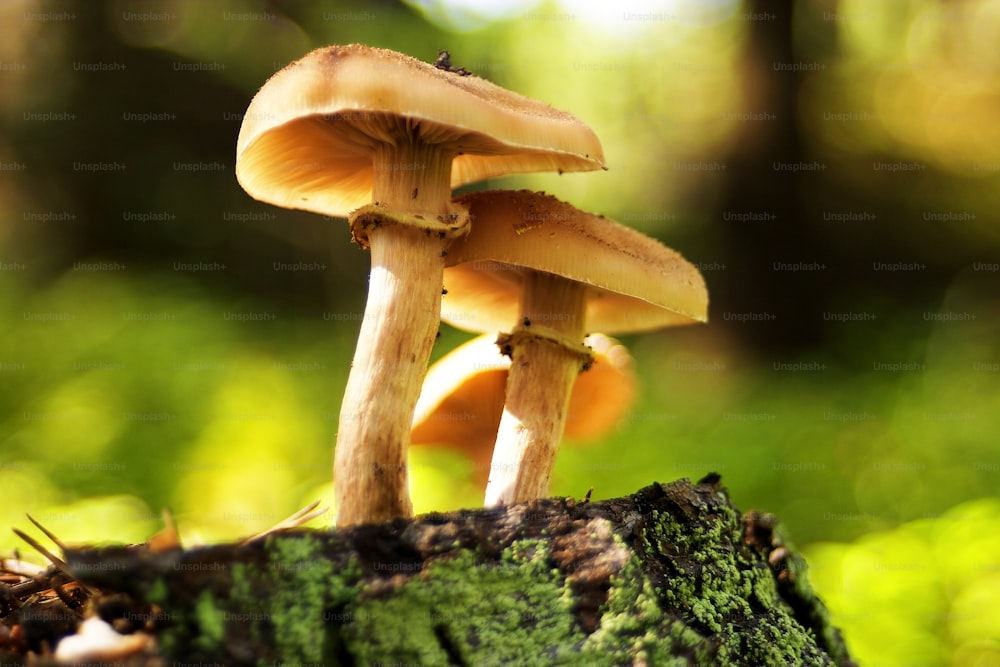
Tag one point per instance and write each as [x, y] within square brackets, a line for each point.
[381, 138]
[462, 398]
[555, 272]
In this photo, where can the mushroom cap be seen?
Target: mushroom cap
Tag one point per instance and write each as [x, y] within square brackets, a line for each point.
[463, 396]
[307, 138]
[634, 282]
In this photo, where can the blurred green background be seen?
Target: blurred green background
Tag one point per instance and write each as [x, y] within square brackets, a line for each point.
[831, 166]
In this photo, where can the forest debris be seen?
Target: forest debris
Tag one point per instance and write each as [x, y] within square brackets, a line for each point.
[96, 641]
[167, 539]
[294, 521]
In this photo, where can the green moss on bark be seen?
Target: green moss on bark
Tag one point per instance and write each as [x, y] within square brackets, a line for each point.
[673, 575]
[211, 620]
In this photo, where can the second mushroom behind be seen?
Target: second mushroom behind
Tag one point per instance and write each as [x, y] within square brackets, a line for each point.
[547, 273]
[462, 399]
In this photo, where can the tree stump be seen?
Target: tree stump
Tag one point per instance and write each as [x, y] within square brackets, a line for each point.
[672, 575]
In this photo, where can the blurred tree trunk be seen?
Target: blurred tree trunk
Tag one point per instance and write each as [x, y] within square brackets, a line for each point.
[761, 182]
[671, 572]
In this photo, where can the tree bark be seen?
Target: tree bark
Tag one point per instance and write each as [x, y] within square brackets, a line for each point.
[672, 575]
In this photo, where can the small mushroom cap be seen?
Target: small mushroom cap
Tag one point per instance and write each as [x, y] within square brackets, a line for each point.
[635, 283]
[308, 135]
[463, 396]
[603, 394]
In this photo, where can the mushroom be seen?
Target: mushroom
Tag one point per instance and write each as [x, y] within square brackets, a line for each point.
[381, 138]
[555, 271]
[463, 394]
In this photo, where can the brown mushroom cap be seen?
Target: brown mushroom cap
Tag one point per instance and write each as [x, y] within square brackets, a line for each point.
[307, 137]
[463, 395]
[634, 282]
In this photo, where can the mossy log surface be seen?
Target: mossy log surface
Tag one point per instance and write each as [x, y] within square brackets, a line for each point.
[672, 575]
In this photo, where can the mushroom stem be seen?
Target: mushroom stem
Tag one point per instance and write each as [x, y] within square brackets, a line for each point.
[400, 324]
[412, 177]
[547, 353]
